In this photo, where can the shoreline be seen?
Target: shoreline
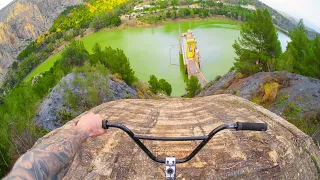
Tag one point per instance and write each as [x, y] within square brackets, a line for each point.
[139, 24]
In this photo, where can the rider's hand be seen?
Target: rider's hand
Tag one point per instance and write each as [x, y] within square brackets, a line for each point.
[92, 124]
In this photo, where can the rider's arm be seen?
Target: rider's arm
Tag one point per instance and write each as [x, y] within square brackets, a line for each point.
[50, 157]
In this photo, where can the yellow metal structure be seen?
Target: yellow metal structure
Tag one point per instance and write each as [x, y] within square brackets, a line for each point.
[191, 56]
[191, 45]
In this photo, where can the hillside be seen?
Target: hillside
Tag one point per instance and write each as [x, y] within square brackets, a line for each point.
[59, 106]
[283, 152]
[22, 21]
[284, 23]
[294, 97]
[281, 21]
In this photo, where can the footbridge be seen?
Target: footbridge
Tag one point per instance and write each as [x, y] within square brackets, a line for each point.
[191, 56]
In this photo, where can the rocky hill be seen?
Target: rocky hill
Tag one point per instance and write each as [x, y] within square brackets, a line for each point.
[292, 96]
[24, 20]
[283, 152]
[69, 98]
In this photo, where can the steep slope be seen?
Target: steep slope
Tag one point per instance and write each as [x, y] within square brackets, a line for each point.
[24, 20]
[295, 97]
[283, 152]
[58, 103]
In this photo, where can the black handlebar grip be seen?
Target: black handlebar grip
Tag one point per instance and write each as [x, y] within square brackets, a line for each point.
[105, 124]
[251, 126]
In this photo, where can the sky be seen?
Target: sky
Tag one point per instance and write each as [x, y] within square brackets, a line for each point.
[3, 3]
[305, 9]
[308, 10]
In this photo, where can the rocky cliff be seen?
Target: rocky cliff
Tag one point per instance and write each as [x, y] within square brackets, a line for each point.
[24, 20]
[283, 152]
[292, 96]
[57, 107]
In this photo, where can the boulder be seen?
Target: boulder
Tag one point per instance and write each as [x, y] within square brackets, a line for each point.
[282, 152]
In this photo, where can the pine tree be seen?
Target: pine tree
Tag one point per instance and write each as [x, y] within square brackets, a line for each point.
[165, 86]
[302, 55]
[316, 52]
[258, 47]
[97, 55]
[193, 86]
[154, 84]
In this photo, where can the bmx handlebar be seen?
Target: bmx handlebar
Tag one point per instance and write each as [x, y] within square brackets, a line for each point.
[204, 139]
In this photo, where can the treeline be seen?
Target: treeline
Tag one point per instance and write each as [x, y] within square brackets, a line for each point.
[302, 55]
[71, 23]
[208, 10]
[259, 49]
[17, 128]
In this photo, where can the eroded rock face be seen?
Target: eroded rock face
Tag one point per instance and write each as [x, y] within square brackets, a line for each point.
[283, 152]
[23, 21]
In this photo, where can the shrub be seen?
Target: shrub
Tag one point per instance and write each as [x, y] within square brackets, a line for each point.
[154, 84]
[165, 86]
[238, 75]
[117, 77]
[143, 90]
[270, 92]
[92, 84]
[255, 100]
[217, 78]
[227, 83]
[219, 91]
[161, 85]
[117, 62]
[193, 87]
[74, 55]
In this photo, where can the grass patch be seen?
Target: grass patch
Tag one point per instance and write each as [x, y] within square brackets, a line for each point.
[238, 75]
[292, 111]
[281, 100]
[45, 66]
[255, 100]
[227, 83]
[314, 159]
[306, 123]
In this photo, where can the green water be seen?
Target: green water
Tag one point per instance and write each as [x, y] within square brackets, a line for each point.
[150, 50]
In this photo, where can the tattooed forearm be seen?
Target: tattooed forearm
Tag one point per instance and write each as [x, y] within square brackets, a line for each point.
[50, 157]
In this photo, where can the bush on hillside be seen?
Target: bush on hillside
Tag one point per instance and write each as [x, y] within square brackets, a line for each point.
[115, 60]
[193, 87]
[92, 84]
[154, 84]
[165, 86]
[74, 55]
[270, 92]
[105, 20]
[159, 86]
